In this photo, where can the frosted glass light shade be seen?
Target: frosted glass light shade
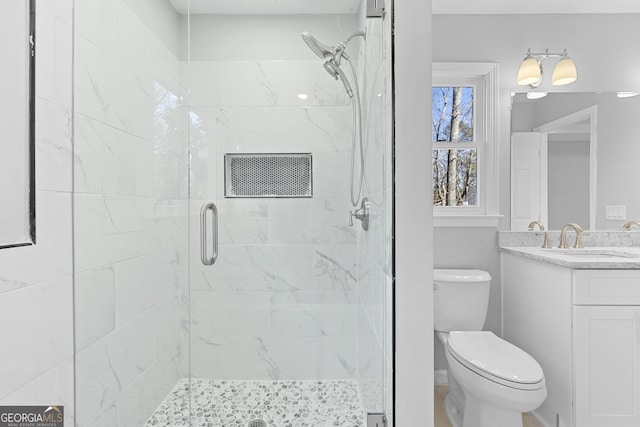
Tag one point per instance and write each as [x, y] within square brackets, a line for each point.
[564, 73]
[529, 72]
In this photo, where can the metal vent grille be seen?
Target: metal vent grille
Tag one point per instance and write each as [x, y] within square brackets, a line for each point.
[268, 175]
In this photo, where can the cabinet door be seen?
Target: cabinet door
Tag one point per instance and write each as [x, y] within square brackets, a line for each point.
[606, 357]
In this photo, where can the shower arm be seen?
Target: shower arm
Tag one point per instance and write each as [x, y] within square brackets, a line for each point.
[339, 51]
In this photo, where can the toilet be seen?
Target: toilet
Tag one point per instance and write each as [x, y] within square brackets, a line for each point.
[491, 382]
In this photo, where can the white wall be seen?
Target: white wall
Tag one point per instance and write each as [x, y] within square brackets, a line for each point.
[36, 297]
[568, 194]
[413, 215]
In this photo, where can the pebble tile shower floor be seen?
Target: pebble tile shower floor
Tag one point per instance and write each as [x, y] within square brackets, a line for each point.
[218, 403]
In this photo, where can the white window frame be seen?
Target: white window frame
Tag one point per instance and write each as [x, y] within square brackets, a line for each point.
[483, 76]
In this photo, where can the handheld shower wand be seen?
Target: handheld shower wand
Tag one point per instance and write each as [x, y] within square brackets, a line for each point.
[334, 70]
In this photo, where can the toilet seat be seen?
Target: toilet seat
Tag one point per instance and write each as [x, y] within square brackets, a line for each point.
[495, 359]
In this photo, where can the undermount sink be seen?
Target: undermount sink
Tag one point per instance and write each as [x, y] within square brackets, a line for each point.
[595, 253]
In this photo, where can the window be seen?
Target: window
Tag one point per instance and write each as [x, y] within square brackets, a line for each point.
[463, 132]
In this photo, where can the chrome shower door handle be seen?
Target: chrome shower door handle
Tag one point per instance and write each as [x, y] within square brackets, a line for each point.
[206, 259]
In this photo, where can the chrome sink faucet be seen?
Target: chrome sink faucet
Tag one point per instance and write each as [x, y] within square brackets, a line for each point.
[545, 243]
[631, 224]
[563, 236]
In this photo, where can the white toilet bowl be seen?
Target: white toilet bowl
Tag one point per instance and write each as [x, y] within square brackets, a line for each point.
[498, 380]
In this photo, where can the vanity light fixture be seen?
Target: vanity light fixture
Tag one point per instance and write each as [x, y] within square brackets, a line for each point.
[626, 94]
[531, 73]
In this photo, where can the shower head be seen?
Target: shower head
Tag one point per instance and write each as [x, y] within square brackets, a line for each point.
[323, 51]
[336, 52]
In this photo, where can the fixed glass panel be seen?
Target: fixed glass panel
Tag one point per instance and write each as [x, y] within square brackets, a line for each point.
[17, 150]
[455, 177]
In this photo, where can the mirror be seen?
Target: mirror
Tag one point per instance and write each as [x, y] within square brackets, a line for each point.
[591, 144]
[17, 108]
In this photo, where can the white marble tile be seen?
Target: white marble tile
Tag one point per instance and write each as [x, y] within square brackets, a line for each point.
[273, 357]
[244, 209]
[231, 358]
[336, 357]
[290, 221]
[53, 143]
[127, 214]
[335, 267]
[38, 321]
[167, 329]
[229, 314]
[61, 9]
[331, 175]
[330, 219]
[92, 149]
[138, 401]
[91, 79]
[170, 224]
[107, 418]
[144, 281]
[265, 267]
[309, 322]
[52, 252]
[93, 248]
[94, 302]
[54, 65]
[281, 129]
[94, 20]
[111, 364]
[131, 348]
[233, 232]
[54, 387]
[262, 83]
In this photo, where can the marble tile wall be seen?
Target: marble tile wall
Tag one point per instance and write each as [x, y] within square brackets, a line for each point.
[280, 302]
[130, 211]
[36, 298]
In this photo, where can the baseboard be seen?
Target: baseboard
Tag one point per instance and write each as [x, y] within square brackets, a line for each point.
[440, 376]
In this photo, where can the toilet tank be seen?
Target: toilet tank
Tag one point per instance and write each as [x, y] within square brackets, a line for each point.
[460, 299]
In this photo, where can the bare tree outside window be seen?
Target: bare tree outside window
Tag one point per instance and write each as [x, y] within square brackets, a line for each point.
[455, 180]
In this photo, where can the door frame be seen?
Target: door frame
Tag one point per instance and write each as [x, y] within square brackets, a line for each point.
[591, 114]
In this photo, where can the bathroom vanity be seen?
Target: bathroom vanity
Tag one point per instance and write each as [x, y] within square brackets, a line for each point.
[578, 314]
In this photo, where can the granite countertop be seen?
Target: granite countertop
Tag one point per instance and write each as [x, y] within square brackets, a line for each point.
[627, 258]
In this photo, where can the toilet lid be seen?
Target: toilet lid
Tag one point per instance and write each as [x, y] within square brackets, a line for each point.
[495, 359]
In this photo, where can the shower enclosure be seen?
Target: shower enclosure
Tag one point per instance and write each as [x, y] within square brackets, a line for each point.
[217, 279]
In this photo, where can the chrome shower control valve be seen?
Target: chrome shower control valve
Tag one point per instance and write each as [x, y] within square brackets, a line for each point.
[362, 214]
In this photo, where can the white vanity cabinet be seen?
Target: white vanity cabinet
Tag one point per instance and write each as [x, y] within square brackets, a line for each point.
[606, 346]
[583, 327]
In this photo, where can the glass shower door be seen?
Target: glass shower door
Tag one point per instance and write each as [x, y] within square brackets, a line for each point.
[290, 324]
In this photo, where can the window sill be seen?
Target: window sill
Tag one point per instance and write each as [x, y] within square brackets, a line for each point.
[466, 220]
